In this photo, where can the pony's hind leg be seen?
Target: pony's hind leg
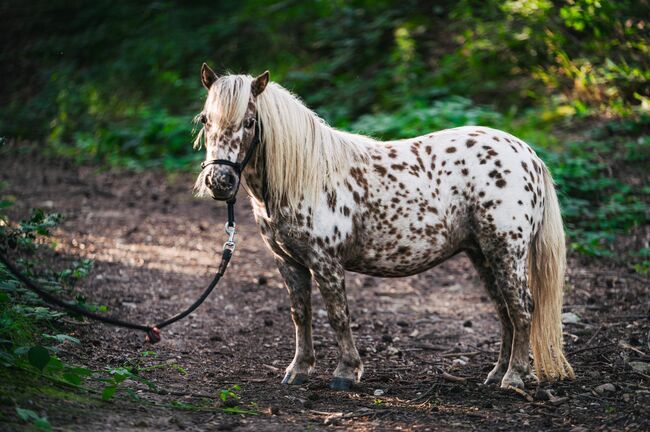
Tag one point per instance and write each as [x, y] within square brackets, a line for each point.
[508, 264]
[330, 277]
[298, 281]
[489, 281]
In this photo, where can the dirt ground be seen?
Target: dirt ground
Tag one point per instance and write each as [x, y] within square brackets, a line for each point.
[427, 341]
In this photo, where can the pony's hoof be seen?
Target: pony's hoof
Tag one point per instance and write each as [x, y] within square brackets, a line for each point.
[343, 384]
[491, 380]
[496, 374]
[297, 379]
[512, 380]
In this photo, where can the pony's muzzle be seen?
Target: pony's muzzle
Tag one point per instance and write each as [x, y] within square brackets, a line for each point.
[222, 182]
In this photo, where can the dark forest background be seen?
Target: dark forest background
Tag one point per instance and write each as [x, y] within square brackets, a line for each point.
[116, 83]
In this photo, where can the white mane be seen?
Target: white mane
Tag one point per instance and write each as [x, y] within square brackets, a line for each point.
[304, 155]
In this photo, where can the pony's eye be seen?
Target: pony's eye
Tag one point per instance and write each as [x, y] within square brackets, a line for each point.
[249, 123]
[203, 119]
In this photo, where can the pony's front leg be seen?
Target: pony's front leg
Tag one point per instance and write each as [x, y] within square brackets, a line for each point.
[330, 277]
[298, 281]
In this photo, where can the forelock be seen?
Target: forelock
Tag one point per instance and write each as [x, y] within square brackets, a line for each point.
[228, 100]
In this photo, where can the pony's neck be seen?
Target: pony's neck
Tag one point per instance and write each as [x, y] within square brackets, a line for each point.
[254, 179]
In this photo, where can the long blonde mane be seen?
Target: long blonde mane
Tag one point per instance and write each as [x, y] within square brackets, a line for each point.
[304, 155]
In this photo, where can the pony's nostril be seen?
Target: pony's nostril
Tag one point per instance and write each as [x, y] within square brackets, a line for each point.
[226, 181]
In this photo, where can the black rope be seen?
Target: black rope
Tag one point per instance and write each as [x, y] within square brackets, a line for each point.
[153, 331]
[231, 213]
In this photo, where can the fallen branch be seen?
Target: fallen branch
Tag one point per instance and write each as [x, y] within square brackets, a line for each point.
[522, 393]
[591, 348]
[458, 354]
[453, 378]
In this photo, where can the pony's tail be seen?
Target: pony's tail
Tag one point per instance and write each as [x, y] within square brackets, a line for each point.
[546, 266]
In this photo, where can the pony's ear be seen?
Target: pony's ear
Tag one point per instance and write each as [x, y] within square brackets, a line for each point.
[259, 83]
[208, 77]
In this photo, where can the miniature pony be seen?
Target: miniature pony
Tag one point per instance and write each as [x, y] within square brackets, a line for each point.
[328, 201]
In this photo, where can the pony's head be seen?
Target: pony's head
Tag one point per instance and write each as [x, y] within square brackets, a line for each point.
[229, 128]
[302, 156]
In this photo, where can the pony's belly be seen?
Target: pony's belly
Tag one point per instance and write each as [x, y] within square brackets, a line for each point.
[398, 259]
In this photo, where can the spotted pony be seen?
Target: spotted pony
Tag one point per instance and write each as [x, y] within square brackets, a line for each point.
[328, 201]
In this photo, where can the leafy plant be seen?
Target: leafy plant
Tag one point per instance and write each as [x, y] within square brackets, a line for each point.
[32, 417]
[229, 394]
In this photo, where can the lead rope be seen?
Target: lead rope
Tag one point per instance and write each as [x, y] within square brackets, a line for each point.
[152, 331]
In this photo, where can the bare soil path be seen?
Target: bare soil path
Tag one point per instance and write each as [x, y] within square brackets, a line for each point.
[155, 247]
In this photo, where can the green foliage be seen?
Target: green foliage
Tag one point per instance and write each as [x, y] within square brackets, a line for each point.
[597, 201]
[418, 119]
[118, 83]
[229, 393]
[26, 344]
[32, 417]
[118, 375]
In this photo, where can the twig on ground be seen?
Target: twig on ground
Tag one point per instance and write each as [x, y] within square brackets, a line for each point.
[453, 378]
[458, 354]
[591, 339]
[591, 348]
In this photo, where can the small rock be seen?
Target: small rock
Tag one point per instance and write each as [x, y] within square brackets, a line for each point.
[378, 392]
[391, 350]
[605, 388]
[387, 338]
[459, 362]
[640, 366]
[570, 318]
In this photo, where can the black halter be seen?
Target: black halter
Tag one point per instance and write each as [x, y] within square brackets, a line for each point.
[239, 168]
